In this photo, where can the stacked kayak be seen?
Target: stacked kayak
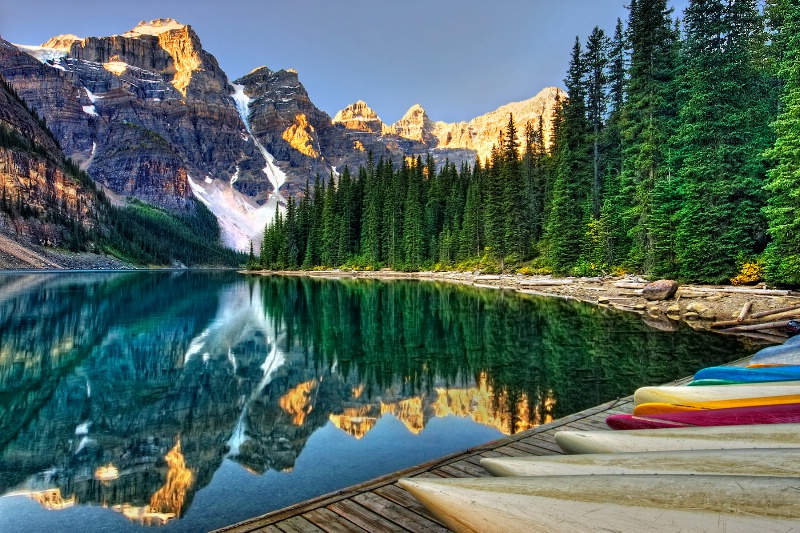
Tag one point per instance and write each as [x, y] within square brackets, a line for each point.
[781, 462]
[685, 438]
[611, 503]
[720, 457]
[724, 375]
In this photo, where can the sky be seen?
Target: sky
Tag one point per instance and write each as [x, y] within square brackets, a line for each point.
[457, 58]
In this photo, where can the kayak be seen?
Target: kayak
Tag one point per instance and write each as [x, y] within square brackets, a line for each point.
[668, 503]
[761, 462]
[748, 375]
[734, 416]
[633, 422]
[689, 395]
[644, 409]
[691, 438]
[776, 356]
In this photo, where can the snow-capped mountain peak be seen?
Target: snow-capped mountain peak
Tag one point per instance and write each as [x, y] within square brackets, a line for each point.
[154, 27]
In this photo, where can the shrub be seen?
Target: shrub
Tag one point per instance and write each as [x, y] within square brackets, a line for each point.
[750, 272]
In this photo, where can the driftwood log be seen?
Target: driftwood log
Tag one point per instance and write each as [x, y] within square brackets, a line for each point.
[764, 319]
[545, 282]
[770, 312]
[745, 309]
[758, 327]
[630, 285]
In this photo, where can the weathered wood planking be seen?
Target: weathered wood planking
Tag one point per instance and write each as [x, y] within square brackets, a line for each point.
[380, 505]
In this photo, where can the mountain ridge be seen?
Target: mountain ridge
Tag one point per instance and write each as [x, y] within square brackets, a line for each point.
[151, 115]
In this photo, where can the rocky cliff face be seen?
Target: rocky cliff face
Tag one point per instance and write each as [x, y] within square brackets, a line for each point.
[33, 180]
[141, 111]
[359, 116]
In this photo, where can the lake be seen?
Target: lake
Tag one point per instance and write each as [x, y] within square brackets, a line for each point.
[193, 400]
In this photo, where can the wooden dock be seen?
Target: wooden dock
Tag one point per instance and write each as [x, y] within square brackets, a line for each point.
[380, 505]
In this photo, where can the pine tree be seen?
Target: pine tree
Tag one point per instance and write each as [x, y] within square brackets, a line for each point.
[329, 250]
[393, 212]
[516, 209]
[291, 237]
[493, 214]
[371, 228]
[783, 184]
[472, 224]
[596, 61]
[313, 249]
[572, 184]
[722, 139]
[611, 237]
[643, 123]
[413, 219]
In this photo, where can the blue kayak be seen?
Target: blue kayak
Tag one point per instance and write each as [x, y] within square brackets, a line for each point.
[715, 375]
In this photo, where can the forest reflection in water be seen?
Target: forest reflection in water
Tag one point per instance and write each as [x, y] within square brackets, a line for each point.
[152, 393]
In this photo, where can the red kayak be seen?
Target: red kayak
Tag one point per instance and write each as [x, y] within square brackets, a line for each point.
[735, 416]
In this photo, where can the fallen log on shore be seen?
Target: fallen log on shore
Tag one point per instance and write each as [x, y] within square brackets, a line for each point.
[770, 317]
[770, 312]
[545, 282]
[758, 327]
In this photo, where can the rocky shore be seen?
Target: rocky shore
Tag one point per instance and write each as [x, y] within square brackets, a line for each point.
[755, 312]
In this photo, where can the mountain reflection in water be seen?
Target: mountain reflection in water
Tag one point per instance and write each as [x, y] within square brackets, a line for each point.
[159, 395]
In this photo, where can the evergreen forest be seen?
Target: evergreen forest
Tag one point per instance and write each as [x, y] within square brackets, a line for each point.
[674, 152]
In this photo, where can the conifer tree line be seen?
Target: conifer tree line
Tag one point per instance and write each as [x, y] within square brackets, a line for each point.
[675, 152]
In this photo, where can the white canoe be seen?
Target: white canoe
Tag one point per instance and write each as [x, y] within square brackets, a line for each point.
[611, 503]
[760, 462]
[690, 438]
[714, 393]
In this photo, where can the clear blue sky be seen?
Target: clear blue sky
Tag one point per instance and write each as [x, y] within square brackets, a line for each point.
[457, 58]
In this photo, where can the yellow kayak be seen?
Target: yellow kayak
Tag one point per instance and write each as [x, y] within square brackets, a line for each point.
[714, 393]
[652, 408]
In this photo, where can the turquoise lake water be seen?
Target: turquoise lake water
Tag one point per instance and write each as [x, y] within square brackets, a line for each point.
[193, 400]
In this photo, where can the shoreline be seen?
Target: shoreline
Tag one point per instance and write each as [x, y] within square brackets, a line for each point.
[717, 308]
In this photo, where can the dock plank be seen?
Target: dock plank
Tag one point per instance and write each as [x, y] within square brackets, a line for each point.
[298, 524]
[331, 522]
[401, 497]
[397, 514]
[363, 517]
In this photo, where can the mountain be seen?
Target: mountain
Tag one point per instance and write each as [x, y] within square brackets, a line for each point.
[42, 200]
[47, 205]
[459, 141]
[149, 114]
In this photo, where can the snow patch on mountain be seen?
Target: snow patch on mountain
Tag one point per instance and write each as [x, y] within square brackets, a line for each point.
[241, 220]
[45, 55]
[274, 174]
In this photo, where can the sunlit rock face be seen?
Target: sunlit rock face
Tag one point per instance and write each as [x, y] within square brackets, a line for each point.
[33, 182]
[359, 116]
[416, 125]
[140, 111]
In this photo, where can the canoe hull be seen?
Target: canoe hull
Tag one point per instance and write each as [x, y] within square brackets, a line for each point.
[683, 395]
[589, 503]
[749, 375]
[645, 409]
[694, 438]
[762, 462]
[736, 416]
